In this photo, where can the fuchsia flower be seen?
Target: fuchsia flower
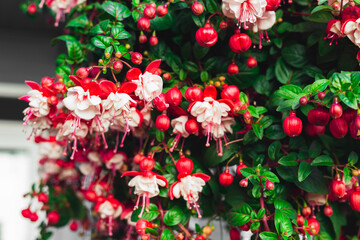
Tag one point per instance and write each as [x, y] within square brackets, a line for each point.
[189, 185]
[178, 125]
[210, 113]
[60, 7]
[49, 148]
[333, 31]
[109, 208]
[245, 11]
[263, 23]
[149, 84]
[146, 182]
[351, 28]
[114, 161]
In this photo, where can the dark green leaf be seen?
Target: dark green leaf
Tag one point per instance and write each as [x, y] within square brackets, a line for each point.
[353, 158]
[289, 160]
[282, 72]
[271, 176]
[295, 55]
[173, 216]
[151, 231]
[274, 150]
[117, 10]
[258, 130]
[323, 160]
[240, 215]
[304, 171]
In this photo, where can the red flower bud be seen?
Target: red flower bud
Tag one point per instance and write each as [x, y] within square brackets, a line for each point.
[239, 42]
[162, 122]
[33, 217]
[303, 101]
[318, 116]
[197, 8]
[349, 115]
[306, 211]
[161, 10]
[117, 66]
[142, 38]
[206, 36]
[300, 220]
[272, 5]
[174, 96]
[245, 227]
[225, 178]
[42, 197]
[153, 40]
[191, 126]
[143, 24]
[336, 109]
[251, 62]
[147, 164]
[184, 165]
[233, 69]
[314, 130]
[73, 226]
[269, 185]
[166, 76]
[160, 102]
[337, 187]
[321, 95]
[47, 82]
[234, 234]
[193, 94]
[82, 73]
[136, 58]
[26, 213]
[149, 12]
[354, 130]
[31, 9]
[292, 125]
[244, 182]
[313, 226]
[90, 195]
[338, 128]
[354, 199]
[141, 224]
[223, 25]
[328, 211]
[230, 92]
[53, 217]
[239, 167]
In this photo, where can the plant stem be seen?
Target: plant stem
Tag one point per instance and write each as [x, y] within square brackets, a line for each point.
[262, 205]
[187, 233]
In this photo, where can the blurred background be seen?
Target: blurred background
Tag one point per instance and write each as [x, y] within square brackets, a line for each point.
[25, 54]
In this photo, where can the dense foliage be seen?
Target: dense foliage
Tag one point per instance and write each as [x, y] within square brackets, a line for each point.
[213, 109]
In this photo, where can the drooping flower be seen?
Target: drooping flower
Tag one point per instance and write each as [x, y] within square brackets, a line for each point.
[333, 31]
[114, 161]
[178, 125]
[263, 23]
[146, 183]
[351, 28]
[149, 84]
[210, 113]
[245, 11]
[188, 185]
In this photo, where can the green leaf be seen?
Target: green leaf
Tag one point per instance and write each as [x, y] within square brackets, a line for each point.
[323, 160]
[199, 51]
[117, 10]
[322, 8]
[80, 21]
[258, 130]
[314, 150]
[246, 172]
[174, 62]
[268, 236]
[191, 66]
[282, 223]
[295, 55]
[101, 28]
[274, 150]
[240, 215]
[167, 235]
[353, 158]
[199, 20]
[320, 17]
[261, 213]
[304, 171]
[282, 72]
[101, 41]
[63, 70]
[275, 132]
[211, 158]
[162, 23]
[319, 85]
[308, 185]
[271, 176]
[151, 231]
[349, 99]
[347, 175]
[173, 216]
[119, 33]
[289, 91]
[289, 160]
[254, 225]
[285, 207]
[204, 76]
[212, 6]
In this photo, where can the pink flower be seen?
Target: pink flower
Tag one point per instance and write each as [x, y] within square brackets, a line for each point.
[117, 103]
[50, 150]
[109, 208]
[178, 125]
[246, 11]
[38, 103]
[149, 85]
[210, 113]
[225, 127]
[351, 28]
[69, 129]
[188, 186]
[84, 105]
[146, 182]
[333, 31]
[264, 22]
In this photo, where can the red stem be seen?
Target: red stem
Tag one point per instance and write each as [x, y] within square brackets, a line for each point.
[262, 205]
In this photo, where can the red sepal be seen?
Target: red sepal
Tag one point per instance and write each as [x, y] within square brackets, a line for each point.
[171, 190]
[133, 74]
[48, 92]
[107, 87]
[153, 66]
[227, 102]
[24, 98]
[127, 87]
[177, 111]
[93, 88]
[77, 81]
[203, 176]
[141, 117]
[344, 24]
[33, 85]
[163, 179]
[131, 173]
[191, 105]
[210, 91]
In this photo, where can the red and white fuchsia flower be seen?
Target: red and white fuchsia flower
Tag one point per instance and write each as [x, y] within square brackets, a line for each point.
[146, 182]
[149, 84]
[245, 11]
[210, 113]
[188, 185]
